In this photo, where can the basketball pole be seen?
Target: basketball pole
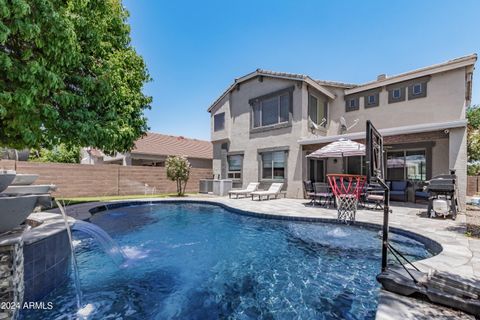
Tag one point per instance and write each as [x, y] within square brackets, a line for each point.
[375, 172]
[386, 211]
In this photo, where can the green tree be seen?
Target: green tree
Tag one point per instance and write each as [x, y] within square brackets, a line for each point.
[60, 153]
[178, 170]
[68, 74]
[473, 133]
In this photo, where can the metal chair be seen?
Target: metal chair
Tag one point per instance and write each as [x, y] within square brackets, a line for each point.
[375, 194]
[309, 191]
[323, 191]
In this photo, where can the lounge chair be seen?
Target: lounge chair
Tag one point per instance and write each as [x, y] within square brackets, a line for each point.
[274, 190]
[252, 186]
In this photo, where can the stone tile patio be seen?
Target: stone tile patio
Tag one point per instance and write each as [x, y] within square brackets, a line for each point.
[460, 255]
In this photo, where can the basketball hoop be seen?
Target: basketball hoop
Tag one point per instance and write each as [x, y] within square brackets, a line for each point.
[347, 189]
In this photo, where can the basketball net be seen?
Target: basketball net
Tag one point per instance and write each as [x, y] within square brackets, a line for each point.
[347, 189]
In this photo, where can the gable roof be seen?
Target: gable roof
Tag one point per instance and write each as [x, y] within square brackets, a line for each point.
[436, 68]
[166, 145]
[278, 75]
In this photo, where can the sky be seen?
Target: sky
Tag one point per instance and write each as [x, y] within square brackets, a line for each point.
[195, 49]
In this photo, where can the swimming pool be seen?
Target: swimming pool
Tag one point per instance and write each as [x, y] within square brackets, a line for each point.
[201, 261]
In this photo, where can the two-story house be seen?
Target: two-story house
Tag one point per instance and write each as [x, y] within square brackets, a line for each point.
[265, 123]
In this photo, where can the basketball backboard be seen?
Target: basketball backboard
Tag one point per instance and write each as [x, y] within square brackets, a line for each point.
[374, 153]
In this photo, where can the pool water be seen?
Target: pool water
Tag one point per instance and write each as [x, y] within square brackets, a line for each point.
[200, 261]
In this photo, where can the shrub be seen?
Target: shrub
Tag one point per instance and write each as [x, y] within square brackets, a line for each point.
[178, 170]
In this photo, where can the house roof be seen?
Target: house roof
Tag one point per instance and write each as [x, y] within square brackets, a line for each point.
[166, 145]
[278, 75]
[350, 88]
[436, 68]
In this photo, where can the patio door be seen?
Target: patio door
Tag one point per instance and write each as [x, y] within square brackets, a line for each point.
[316, 170]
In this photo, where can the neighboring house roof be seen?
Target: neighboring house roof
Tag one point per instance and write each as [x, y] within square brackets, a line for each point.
[166, 145]
[436, 68]
[278, 75]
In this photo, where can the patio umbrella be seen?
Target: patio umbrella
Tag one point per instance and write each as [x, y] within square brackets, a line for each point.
[339, 149]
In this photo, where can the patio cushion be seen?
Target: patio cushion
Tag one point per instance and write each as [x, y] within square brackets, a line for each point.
[397, 193]
[421, 194]
[399, 185]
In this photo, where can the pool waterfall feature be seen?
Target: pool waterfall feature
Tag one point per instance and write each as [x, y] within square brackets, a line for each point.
[102, 238]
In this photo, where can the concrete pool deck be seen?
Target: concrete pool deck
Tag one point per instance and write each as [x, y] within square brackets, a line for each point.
[460, 256]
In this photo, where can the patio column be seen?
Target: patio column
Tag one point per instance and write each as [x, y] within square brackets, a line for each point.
[457, 145]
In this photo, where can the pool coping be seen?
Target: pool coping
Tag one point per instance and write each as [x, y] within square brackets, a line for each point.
[454, 252]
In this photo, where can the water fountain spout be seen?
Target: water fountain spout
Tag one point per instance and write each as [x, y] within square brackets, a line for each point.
[76, 276]
[103, 239]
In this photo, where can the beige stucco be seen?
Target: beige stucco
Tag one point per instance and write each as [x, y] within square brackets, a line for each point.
[445, 101]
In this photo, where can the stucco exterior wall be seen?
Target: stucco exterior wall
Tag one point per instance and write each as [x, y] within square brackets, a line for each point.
[444, 102]
[240, 138]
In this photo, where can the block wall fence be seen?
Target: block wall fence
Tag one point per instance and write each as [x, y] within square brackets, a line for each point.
[82, 180]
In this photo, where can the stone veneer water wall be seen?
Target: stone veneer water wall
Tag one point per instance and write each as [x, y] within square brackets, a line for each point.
[33, 263]
[11, 273]
[47, 265]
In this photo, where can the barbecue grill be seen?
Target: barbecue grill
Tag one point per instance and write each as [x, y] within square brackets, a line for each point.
[442, 195]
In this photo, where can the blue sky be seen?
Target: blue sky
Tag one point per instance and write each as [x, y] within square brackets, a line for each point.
[195, 49]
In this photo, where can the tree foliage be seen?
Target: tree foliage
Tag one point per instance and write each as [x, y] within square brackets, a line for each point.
[60, 153]
[473, 133]
[178, 170]
[68, 74]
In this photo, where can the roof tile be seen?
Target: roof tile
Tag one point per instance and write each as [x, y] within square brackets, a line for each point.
[161, 144]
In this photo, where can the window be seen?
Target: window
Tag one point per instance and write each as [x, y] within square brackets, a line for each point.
[271, 111]
[417, 90]
[407, 165]
[372, 99]
[396, 94]
[352, 104]
[317, 110]
[219, 122]
[273, 165]
[235, 167]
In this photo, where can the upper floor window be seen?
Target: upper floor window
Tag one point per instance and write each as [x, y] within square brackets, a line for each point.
[272, 109]
[352, 104]
[396, 94]
[371, 99]
[317, 110]
[219, 121]
[417, 90]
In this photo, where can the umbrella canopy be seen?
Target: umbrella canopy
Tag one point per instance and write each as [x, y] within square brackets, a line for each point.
[340, 148]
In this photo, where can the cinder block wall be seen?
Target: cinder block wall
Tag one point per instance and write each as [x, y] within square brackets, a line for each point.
[80, 180]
